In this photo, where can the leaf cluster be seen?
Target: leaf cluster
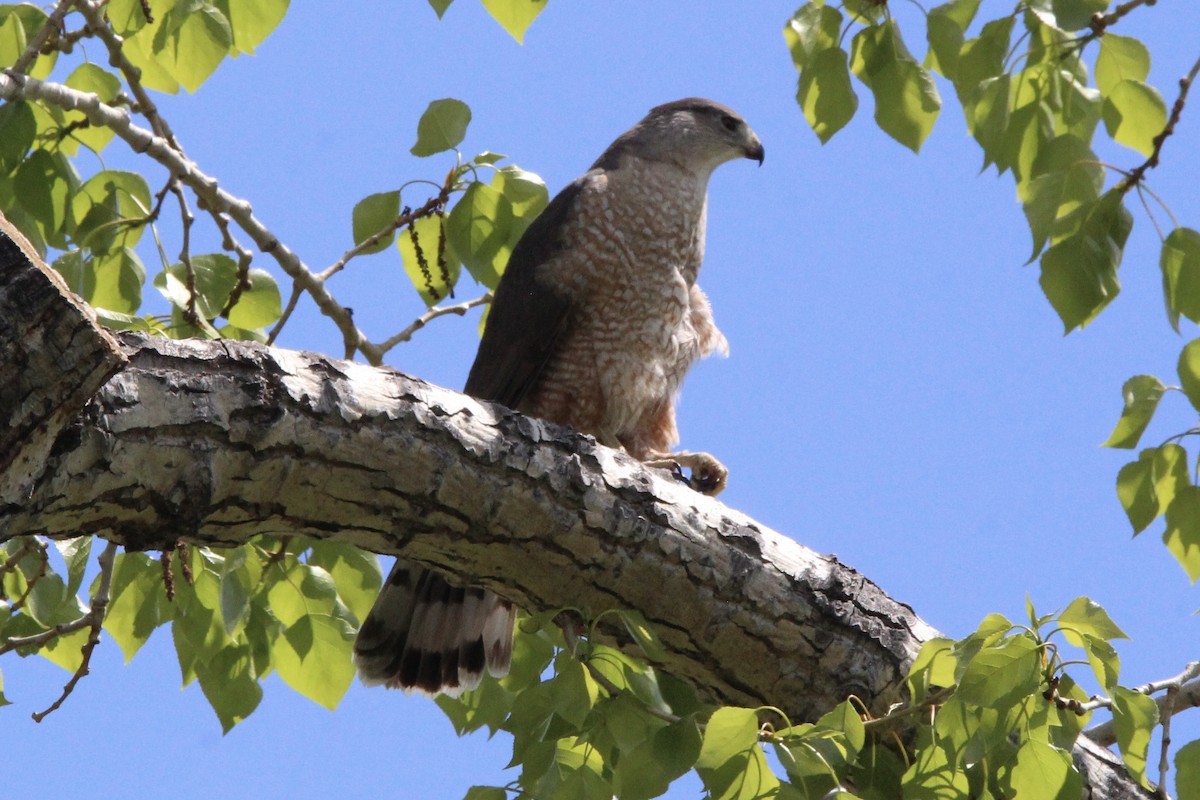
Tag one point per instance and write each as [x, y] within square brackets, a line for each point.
[289, 607]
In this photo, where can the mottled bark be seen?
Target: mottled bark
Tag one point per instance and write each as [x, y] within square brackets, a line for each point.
[53, 358]
[218, 442]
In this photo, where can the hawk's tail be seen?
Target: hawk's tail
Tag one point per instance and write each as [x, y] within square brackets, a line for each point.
[428, 636]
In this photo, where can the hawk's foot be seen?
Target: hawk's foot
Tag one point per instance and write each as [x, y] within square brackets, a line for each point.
[708, 476]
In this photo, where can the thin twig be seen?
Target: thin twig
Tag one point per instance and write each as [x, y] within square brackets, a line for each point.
[53, 24]
[297, 291]
[437, 311]
[1187, 696]
[432, 206]
[99, 26]
[207, 189]
[1100, 21]
[95, 619]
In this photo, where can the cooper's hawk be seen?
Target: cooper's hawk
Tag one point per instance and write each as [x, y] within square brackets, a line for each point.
[594, 324]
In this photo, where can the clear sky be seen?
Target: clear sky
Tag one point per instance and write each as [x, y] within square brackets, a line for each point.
[898, 391]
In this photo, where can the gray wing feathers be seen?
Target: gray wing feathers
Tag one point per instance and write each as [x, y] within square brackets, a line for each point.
[425, 635]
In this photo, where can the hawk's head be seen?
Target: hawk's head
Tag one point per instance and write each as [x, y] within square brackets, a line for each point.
[694, 133]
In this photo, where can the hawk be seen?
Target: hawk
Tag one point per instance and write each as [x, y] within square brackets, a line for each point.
[593, 325]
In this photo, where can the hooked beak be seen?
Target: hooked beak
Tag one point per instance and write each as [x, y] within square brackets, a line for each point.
[755, 150]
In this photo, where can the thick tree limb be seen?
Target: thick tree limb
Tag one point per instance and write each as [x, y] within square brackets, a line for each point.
[53, 358]
[218, 442]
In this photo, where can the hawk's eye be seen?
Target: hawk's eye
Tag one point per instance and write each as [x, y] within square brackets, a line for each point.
[729, 123]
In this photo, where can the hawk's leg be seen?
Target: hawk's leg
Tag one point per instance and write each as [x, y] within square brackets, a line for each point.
[709, 476]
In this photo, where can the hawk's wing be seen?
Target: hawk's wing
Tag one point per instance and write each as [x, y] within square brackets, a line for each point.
[528, 320]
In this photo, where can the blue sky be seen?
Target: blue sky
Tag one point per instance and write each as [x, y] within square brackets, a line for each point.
[898, 391]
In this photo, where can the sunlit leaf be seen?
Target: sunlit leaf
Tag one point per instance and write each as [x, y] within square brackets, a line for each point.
[229, 684]
[825, 94]
[1134, 114]
[313, 657]
[1134, 717]
[479, 229]
[1182, 535]
[1187, 770]
[1120, 58]
[373, 214]
[252, 22]
[1180, 264]
[432, 267]
[442, 127]
[1141, 394]
[259, 305]
[811, 30]
[191, 40]
[515, 16]
[1002, 675]
[906, 99]
[1043, 772]
[946, 26]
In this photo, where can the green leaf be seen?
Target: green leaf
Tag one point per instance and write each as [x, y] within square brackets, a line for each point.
[1043, 772]
[933, 776]
[229, 684]
[75, 553]
[191, 40]
[644, 635]
[44, 185]
[1134, 114]
[1141, 394]
[906, 99]
[1182, 536]
[813, 29]
[251, 23]
[138, 602]
[983, 57]
[214, 277]
[111, 209]
[1180, 264]
[440, 7]
[825, 94]
[1189, 371]
[139, 49]
[259, 305]
[946, 27]
[478, 231]
[305, 590]
[1187, 770]
[1073, 15]
[1084, 616]
[934, 666]
[373, 214]
[649, 769]
[515, 16]
[355, 573]
[313, 657]
[18, 128]
[1146, 487]
[1003, 675]
[1103, 658]
[442, 127]
[730, 732]
[102, 83]
[1120, 58]
[1079, 273]
[988, 118]
[1134, 717]
[481, 792]
[432, 267]
[1066, 181]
